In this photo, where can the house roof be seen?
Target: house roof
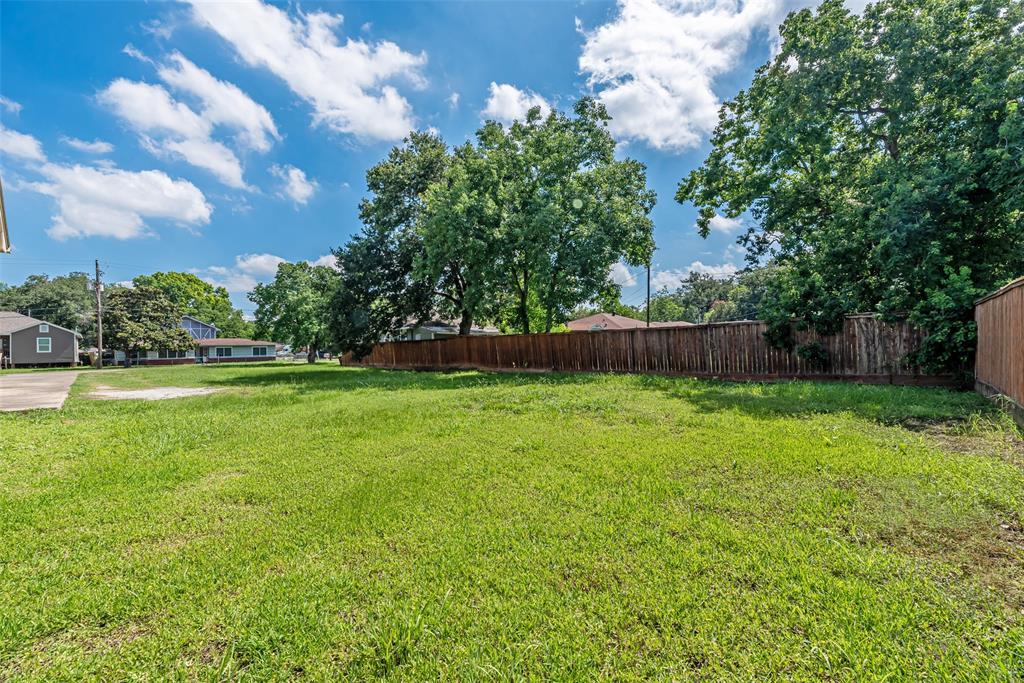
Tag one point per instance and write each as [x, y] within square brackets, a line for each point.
[232, 341]
[438, 325]
[611, 321]
[604, 321]
[671, 323]
[11, 322]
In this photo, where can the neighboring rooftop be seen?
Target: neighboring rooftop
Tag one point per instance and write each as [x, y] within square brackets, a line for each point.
[11, 322]
[438, 326]
[232, 341]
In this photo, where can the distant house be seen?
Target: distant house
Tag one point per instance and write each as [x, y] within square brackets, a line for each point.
[225, 350]
[611, 321]
[196, 328]
[28, 341]
[438, 329]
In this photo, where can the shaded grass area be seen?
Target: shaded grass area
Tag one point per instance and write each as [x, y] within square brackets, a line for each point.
[327, 523]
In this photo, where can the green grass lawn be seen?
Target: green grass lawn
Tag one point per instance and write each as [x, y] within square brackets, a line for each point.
[329, 523]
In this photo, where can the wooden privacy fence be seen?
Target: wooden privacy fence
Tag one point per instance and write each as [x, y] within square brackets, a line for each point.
[999, 364]
[867, 350]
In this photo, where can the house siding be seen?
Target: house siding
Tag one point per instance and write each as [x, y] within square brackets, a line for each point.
[63, 347]
[238, 353]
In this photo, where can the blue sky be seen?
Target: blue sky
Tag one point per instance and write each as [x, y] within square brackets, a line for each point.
[222, 138]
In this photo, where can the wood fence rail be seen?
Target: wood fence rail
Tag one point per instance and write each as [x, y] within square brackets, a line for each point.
[867, 350]
[999, 363]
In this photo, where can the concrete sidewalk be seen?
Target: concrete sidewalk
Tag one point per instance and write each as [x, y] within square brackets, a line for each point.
[30, 390]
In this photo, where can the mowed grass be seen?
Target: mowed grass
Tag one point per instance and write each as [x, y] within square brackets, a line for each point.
[324, 523]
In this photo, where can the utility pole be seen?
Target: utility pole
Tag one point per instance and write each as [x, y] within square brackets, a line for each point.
[98, 288]
[648, 293]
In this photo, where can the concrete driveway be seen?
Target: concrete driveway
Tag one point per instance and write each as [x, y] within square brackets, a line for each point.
[26, 391]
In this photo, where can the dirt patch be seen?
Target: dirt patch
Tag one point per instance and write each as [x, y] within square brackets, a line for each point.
[155, 394]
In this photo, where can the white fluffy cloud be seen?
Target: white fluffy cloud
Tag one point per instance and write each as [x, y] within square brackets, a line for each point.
[329, 260]
[20, 145]
[229, 279]
[347, 84]
[259, 264]
[621, 275]
[223, 103]
[111, 202]
[670, 279]
[296, 185]
[10, 105]
[654, 65]
[151, 109]
[508, 103]
[251, 269]
[172, 128]
[94, 147]
[725, 225]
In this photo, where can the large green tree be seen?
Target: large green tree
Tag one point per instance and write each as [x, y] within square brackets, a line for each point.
[200, 300]
[65, 300]
[537, 213]
[378, 290]
[293, 308]
[881, 156]
[143, 318]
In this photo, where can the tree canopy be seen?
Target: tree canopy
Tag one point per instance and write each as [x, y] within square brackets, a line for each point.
[880, 156]
[519, 226]
[143, 318]
[293, 307]
[200, 300]
[378, 290]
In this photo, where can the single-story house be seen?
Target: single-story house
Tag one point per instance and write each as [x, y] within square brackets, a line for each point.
[224, 350]
[611, 321]
[29, 341]
[438, 329]
[196, 328]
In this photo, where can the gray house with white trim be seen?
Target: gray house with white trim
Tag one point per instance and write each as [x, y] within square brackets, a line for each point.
[28, 341]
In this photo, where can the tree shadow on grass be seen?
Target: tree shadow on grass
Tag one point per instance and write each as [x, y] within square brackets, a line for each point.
[908, 406]
[350, 379]
[880, 403]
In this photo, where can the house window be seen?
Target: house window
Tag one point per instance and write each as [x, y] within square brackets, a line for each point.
[44, 328]
[43, 344]
[164, 353]
[259, 350]
[223, 352]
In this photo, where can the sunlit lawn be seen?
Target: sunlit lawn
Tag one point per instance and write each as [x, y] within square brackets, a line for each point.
[327, 523]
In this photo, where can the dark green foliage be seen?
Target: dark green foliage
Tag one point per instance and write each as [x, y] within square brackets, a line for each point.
[143, 319]
[518, 227]
[948, 314]
[814, 354]
[378, 291]
[293, 308]
[876, 153]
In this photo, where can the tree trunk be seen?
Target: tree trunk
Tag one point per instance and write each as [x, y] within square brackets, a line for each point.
[549, 315]
[466, 324]
[524, 304]
[524, 310]
[311, 356]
